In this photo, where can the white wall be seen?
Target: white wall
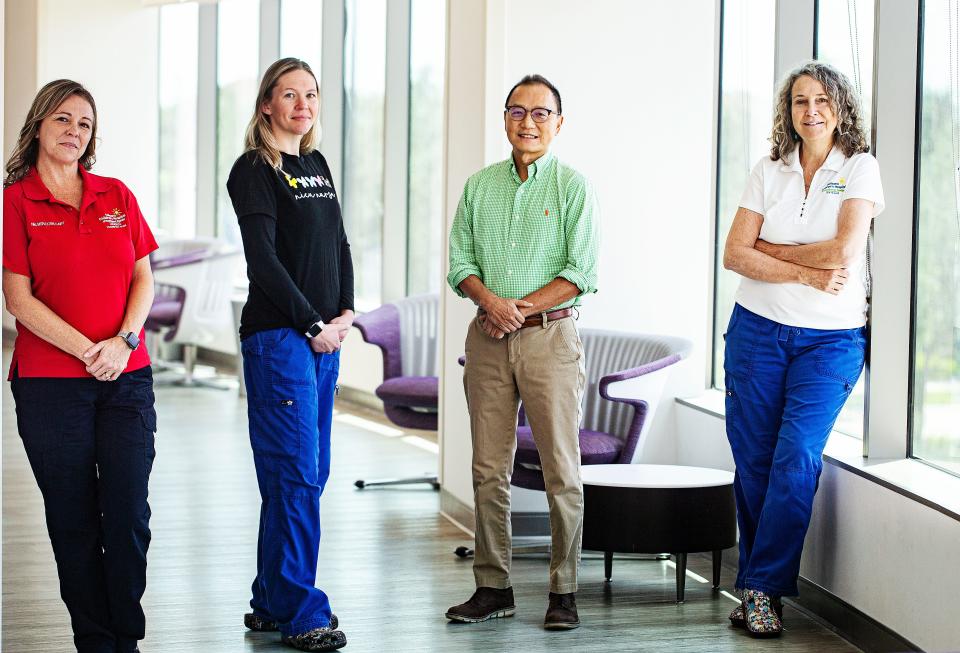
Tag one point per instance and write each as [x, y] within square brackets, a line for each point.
[642, 132]
[109, 46]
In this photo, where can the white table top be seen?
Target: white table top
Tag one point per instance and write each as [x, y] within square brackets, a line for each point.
[654, 476]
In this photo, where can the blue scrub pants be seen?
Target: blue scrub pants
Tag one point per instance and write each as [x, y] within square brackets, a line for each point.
[290, 392]
[785, 388]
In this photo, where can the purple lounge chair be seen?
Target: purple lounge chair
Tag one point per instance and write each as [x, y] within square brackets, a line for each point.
[626, 373]
[406, 333]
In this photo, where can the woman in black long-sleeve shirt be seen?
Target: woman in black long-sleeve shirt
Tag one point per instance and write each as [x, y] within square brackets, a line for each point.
[299, 309]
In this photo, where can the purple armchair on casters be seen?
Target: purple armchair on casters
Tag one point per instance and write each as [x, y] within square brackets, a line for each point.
[626, 373]
[406, 333]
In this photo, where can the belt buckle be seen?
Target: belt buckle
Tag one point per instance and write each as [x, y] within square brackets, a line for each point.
[543, 316]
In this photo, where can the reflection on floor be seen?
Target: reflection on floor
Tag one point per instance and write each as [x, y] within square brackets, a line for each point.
[386, 558]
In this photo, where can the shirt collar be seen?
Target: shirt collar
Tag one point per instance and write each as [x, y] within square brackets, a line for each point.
[35, 189]
[534, 168]
[834, 160]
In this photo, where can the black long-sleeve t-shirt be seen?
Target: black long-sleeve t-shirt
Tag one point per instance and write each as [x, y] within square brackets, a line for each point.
[298, 256]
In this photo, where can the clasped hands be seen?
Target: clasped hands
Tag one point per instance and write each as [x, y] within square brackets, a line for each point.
[502, 316]
[333, 333]
[107, 359]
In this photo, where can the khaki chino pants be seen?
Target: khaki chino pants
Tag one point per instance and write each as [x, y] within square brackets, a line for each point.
[543, 366]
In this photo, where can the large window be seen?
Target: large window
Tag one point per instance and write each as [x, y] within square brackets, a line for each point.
[746, 105]
[845, 40]
[424, 196]
[178, 121]
[364, 79]
[936, 354]
[238, 38]
[301, 31]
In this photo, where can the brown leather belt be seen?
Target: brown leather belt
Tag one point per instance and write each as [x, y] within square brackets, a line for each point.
[543, 318]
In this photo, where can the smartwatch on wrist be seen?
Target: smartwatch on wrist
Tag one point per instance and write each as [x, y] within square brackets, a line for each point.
[130, 338]
[314, 329]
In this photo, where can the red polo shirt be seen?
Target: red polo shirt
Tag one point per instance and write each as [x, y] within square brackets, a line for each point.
[80, 264]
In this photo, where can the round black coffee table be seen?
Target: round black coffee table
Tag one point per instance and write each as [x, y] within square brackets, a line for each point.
[659, 509]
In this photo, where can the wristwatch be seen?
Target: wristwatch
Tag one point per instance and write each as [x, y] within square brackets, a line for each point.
[130, 338]
[314, 329]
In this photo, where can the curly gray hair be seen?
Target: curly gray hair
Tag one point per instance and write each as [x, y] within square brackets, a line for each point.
[849, 135]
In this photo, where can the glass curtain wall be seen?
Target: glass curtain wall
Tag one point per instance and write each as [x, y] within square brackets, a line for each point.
[301, 32]
[936, 347]
[177, 174]
[746, 106]
[425, 182]
[364, 79]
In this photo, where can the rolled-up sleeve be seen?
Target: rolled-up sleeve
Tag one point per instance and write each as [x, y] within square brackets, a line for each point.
[463, 259]
[583, 237]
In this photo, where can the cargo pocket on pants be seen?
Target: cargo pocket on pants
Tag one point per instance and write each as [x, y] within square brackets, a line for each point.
[275, 432]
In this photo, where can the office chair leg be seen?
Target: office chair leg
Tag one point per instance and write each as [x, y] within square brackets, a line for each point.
[426, 478]
[187, 378]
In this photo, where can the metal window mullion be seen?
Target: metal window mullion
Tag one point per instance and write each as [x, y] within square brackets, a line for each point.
[331, 89]
[396, 151]
[795, 35]
[207, 120]
[895, 111]
[269, 34]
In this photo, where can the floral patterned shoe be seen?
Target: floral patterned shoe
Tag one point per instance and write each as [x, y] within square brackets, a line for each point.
[737, 619]
[263, 625]
[760, 617]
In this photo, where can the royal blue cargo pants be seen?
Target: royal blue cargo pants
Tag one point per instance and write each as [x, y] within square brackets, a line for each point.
[785, 387]
[290, 392]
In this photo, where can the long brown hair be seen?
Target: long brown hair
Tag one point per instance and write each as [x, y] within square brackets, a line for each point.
[849, 135]
[48, 100]
[259, 136]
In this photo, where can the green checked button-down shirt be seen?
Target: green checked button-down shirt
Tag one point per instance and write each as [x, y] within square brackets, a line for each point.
[519, 236]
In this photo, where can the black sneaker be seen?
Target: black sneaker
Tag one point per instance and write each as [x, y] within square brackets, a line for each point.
[562, 612]
[318, 639]
[486, 603]
[263, 625]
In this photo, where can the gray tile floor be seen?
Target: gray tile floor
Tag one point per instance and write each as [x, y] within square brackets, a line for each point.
[386, 558]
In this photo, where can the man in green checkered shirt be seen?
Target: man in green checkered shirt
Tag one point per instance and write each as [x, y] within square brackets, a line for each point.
[523, 247]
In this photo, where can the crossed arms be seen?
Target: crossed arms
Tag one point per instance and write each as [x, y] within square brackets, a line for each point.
[820, 265]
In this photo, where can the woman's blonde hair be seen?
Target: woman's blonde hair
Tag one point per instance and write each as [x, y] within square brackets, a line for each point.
[849, 135]
[48, 100]
[259, 136]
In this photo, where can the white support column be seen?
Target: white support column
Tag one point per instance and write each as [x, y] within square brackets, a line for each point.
[207, 121]
[795, 30]
[331, 88]
[474, 84]
[896, 42]
[395, 151]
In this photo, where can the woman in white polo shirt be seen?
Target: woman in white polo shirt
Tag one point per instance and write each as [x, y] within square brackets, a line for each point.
[796, 340]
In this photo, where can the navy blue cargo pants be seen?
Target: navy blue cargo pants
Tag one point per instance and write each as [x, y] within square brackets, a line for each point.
[91, 447]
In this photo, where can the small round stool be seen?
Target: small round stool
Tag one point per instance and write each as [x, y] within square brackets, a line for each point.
[659, 509]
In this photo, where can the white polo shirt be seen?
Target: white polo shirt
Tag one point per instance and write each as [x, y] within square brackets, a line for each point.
[775, 190]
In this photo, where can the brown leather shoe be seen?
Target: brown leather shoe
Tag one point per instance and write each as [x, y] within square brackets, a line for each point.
[486, 603]
[562, 612]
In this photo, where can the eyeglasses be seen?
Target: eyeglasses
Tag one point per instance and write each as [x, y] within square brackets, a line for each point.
[539, 114]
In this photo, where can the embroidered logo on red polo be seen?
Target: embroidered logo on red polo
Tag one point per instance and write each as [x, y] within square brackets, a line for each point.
[114, 220]
[47, 223]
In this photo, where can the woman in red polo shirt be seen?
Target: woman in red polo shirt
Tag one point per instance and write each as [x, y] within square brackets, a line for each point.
[77, 278]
